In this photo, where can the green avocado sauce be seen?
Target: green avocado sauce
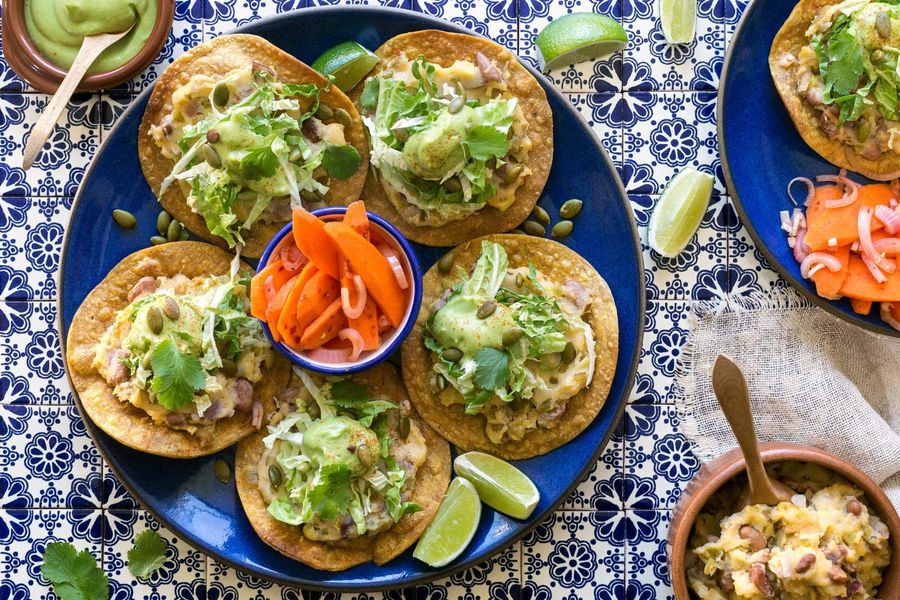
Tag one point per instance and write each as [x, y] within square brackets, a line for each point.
[341, 441]
[57, 28]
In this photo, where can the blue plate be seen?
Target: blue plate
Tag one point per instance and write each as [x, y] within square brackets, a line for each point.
[185, 495]
[762, 151]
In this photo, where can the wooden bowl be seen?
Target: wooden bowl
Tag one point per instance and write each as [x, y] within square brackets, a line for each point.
[715, 474]
[32, 66]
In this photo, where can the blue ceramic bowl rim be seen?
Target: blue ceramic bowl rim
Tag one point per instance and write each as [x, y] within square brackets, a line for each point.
[385, 351]
[797, 284]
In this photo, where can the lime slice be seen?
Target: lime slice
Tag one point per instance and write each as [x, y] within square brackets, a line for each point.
[347, 62]
[453, 526]
[679, 211]
[678, 18]
[500, 485]
[578, 37]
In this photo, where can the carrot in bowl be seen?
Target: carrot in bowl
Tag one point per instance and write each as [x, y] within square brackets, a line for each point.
[309, 235]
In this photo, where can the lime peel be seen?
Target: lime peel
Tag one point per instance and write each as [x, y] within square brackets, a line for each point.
[576, 37]
[679, 212]
[678, 19]
[500, 485]
[348, 62]
[453, 526]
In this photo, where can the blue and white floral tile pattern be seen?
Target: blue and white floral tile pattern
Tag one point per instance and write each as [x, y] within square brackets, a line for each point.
[652, 106]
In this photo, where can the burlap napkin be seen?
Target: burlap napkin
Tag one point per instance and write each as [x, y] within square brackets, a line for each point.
[813, 379]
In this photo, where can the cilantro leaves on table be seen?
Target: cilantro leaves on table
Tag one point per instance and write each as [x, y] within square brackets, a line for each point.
[332, 496]
[484, 143]
[176, 376]
[355, 399]
[147, 555]
[492, 368]
[74, 575]
[341, 162]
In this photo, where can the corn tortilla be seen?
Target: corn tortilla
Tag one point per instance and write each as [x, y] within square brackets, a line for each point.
[790, 38]
[431, 482]
[444, 48]
[557, 263]
[121, 420]
[221, 56]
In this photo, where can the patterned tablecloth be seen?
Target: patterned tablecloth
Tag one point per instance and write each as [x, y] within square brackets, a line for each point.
[653, 106]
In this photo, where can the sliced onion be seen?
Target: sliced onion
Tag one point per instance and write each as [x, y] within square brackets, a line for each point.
[810, 190]
[383, 324]
[864, 227]
[888, 246]
[829, 261]
[851, 189]
[269, 288]
[393, 259]
[356, 340]
[887, 315]
[353, 311]
[291, 257]
[801, 249]
[257, 414]
[873, 268]
[890, 218]
[785, 217]
[329, 355]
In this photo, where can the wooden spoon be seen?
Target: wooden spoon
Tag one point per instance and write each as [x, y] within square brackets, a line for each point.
[91, 48]
[731, 392]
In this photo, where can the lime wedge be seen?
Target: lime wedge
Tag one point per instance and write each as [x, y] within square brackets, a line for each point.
[347, 62]
[453, 526]
[578, 37]
[678, 18]
[679, 211]
[500, 485]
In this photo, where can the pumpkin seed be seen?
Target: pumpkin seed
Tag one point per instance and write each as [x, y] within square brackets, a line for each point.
[343, 117]
[171, 309]
[401, 134]
[446, 263]
[534, 228]
[864, 130]
[221, 95]
[174, 231]
[511, 336]
[452, 185]
[562, 229]
[324, 113]
[156, 240]
[185, 236]
[540, 215]
[520, 280]
[570, 208]
[551, 361]
[460, 89]
[211, 156]
[512, 173]
[295, 155]
[568, 353]
[154, 320]
[486, 309]
[275, 476]
[162, 222]
[439, 382]
[229, 367]
[883, 24]
[456, 105]
[124, 218]
[452, 354]
[222, 471]
[403, 430]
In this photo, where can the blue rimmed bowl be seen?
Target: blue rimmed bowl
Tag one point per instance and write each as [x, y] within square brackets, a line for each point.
[407, 256]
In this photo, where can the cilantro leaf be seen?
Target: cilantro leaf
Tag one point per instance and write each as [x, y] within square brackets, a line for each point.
[396, 507]
[147, 555]
[492, 370]
[258, 163]
[355, 399]
[369, 97]
[484, 142]
[340, 162]
[74, 575]
[332, 496]
[176, 376]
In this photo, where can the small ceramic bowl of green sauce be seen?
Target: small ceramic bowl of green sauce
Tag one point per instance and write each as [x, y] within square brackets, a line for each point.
[42, 37]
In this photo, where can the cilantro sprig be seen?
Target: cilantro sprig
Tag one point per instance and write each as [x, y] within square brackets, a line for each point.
[147, 555]
[176, 375]
[332, 495]
[354, 399]
[73, 574]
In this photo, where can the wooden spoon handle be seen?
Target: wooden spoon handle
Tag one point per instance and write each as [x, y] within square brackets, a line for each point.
[91, 48]
[731, 391]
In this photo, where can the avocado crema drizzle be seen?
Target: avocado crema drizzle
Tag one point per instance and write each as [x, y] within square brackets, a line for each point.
[338, 462]
[253, 148]
[850, 72]
[512, 343]
[444, 138]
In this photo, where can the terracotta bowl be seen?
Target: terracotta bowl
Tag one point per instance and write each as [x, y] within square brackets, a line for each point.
[25, 59]
[715, 474]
